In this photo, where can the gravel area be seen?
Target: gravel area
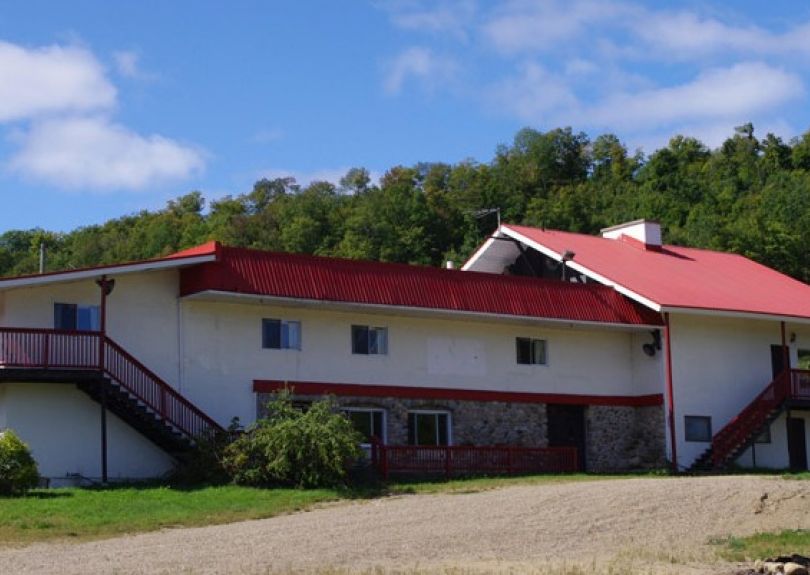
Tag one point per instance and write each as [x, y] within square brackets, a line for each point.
[645, 525]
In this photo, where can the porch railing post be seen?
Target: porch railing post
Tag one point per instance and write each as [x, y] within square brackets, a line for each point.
[46, 351]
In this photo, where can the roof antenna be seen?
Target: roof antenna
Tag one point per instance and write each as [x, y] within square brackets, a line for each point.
[42, 257]
[478, 214]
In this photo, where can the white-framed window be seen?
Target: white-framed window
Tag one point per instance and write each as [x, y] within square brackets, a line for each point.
[71, 316]
[698, 428]
[368, 340]
[531, 351]
[281, 334]
[428, 427]
[368, 421]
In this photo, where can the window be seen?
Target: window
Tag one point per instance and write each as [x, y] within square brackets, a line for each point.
[281, 334]
[368, 422]
[76, 317]
[698, 428]
[428, 428]
[531, 351]
[804, 359]
[369, 340]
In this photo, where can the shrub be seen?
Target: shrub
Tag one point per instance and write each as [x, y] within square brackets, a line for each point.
[203, 465]
[291, 447]
[18, 470]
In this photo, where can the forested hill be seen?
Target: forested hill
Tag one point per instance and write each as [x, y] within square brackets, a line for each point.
[750, 196]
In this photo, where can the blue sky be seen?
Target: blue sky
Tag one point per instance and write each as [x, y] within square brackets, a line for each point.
[107, 108]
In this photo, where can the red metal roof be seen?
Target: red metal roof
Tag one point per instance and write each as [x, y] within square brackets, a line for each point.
[246, 271]
[674, 276]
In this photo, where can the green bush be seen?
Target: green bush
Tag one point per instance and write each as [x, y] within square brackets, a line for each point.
[203, 465]
[291, 447]
[18, 470]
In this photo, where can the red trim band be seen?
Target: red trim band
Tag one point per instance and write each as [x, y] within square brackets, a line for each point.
[361, 390]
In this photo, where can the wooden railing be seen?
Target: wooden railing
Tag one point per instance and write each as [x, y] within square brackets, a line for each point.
[457, 460]
[90, 350]
[790, 384]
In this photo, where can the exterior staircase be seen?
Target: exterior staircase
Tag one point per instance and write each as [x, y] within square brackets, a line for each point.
[109, 375]
[791, 386]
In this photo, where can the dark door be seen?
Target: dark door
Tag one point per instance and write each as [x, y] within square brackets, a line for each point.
[778, 354]
[566, 428]
[797, 444]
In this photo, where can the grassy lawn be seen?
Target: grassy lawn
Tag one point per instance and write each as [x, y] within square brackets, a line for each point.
[765, 545]
[96, 513]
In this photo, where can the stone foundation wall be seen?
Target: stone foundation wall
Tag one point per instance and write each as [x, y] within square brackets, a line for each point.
[472, 422]
[618, 438]
[624, 438]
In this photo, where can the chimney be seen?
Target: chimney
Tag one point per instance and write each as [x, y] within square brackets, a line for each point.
[450, 265]
[645, 234]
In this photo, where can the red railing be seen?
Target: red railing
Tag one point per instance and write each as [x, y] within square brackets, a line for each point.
[89, 350]
[471, 460]
[791, 384]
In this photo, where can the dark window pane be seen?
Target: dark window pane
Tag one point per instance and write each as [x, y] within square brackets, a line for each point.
[271, 333]
[698, 428]
[64, 316]
[524, 350]
[765, 436]
[426, 429]
[411, 429]
[378, 424]
[360, 339]
[442, 423]
[362, 423]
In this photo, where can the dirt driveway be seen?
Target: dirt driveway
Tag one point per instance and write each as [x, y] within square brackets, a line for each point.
[645, 525]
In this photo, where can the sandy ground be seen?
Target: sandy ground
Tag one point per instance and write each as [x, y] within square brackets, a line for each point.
[645, 525]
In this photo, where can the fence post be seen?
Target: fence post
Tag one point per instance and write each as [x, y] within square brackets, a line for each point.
[509, 469]
[384, 462]
[448, 465]
[46, 351]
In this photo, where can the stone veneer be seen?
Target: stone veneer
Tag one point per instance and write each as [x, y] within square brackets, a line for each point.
[618, 438]
[622, 438]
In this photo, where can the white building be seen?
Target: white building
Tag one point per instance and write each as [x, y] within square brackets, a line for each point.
[645, 353]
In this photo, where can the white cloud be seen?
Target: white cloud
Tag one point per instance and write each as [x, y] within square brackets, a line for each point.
[422, 64]
[128, 65]
[93, 153]
[737, 92]
[537, 25]
[53, 79]
[685, 35]
[535, 95]
[448, 17]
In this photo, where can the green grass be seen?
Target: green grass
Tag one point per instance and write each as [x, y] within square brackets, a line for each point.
[96, 513]
[765, 545]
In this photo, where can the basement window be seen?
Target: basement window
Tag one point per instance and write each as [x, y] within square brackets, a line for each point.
[698, 428]
[72, 317]
[367, 340]
[530, 351]
[281, 334]
[428, 428]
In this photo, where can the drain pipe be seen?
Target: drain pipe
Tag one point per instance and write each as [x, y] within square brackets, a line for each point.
[670, 394]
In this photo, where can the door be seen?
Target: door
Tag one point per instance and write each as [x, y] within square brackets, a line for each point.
[566, 428]
[778, 355]
[797, 444]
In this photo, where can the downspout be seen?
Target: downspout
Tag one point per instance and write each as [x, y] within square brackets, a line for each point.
[670, 394]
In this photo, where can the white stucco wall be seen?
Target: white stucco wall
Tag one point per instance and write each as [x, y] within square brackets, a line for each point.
[62, 426]
[719, 367]
[141, 314]
[223, 355]
[774, 455]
